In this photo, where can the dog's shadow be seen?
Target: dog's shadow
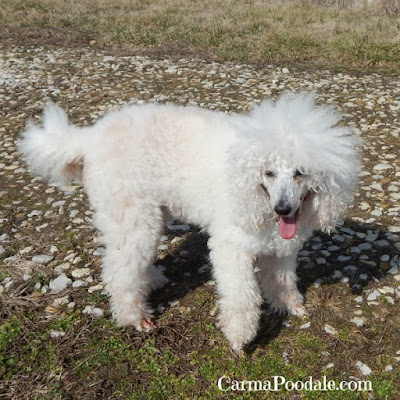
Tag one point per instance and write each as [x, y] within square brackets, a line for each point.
[355, 255]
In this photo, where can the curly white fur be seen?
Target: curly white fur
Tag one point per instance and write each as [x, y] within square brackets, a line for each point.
[225, 173]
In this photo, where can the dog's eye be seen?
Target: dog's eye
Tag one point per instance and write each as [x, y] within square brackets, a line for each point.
[297, 173]
[270, 174]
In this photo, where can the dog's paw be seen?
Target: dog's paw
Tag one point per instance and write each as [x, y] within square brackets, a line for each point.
[142, 322]
[298, 310]
[145, 325]
[239, 327]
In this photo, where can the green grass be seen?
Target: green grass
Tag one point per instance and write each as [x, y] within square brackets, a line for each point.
[96, 352]
[298, 32]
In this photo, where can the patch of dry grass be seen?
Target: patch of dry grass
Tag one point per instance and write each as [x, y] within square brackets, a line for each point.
[320, 32]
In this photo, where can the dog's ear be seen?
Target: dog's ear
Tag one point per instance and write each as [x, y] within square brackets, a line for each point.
[245, 163]
[332, 194]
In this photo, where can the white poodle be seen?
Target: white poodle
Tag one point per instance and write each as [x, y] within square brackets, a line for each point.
[259, 183]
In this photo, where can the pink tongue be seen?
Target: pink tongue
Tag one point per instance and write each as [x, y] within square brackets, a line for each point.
[287, 227]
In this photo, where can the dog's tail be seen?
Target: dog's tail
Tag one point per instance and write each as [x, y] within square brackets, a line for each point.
[54, 151]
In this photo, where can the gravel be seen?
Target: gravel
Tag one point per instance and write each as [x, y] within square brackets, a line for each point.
[48, 230]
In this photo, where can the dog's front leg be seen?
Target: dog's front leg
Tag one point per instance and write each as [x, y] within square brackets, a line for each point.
[239, 294]
[277, 277]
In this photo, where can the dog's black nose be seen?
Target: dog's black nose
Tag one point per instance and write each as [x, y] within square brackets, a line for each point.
[282, 209]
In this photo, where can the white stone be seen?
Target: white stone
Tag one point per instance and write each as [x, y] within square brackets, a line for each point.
[56, 334]
[96, 288]
[373, 295]
[358, 321]
[386, 290]
[60, 283]
[381, 243]
[333, 248]
[34, 213]
[100, 251]
[80, 272]
[377, 212]
[382, 167]
[394, 270]
[42, 259]
[61, 301]
[365, 246]
[78, 283]
[306, 325]
[181, 228]
[348, 231]
[95, 311]
[338, 238]
[330, 329]
[363, 368]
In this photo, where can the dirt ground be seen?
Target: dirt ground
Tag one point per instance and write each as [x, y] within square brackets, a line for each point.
[63, 344]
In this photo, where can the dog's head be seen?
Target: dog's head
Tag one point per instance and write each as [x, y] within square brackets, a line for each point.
[296, 161]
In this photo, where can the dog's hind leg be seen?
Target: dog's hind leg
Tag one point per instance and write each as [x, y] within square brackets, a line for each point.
[277, 277]
[130, 235]
[240, 297]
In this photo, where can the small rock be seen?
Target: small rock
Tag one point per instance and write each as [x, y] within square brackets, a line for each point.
[42, 259]
[181, 228]
[363, 368]
[90, 310]
[23, 251]
[214, 311]
[358, 321]
[373, 295]
[382, 167]
[285, 356]
[62, 267]
[96, 288]
[176, 239]
[61, 301]
[60, 283]
[365, 246]
[330, 329]
[306, 325]
[56, 334]
[80, 272]
[381, 243]
[100, 251]
[338, 238]
[78, 283]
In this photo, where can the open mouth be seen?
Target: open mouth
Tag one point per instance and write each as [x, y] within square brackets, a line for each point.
[288, 226]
